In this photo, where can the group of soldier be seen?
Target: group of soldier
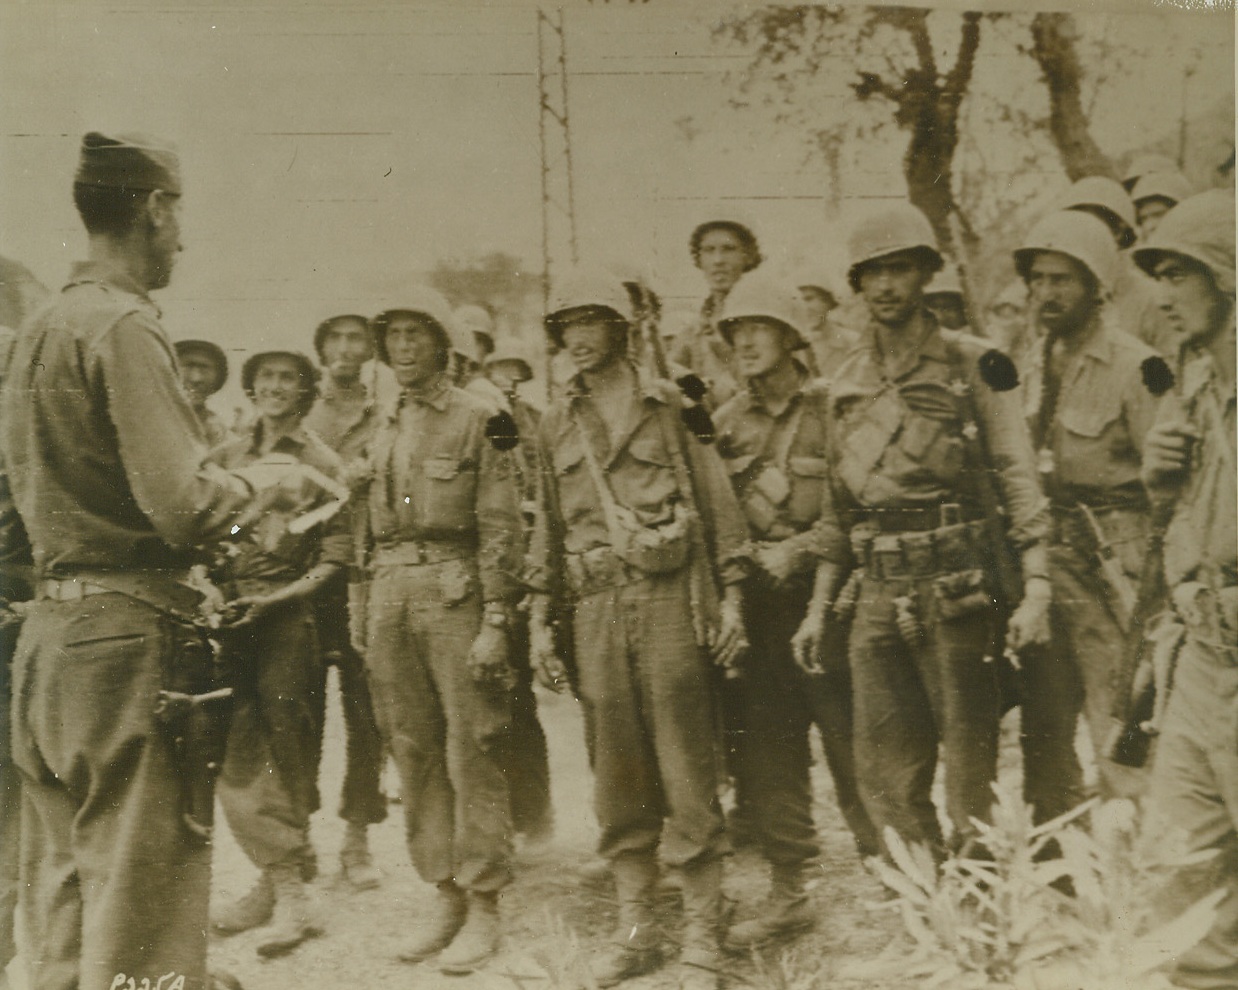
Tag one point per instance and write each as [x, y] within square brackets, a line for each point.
[874, 525]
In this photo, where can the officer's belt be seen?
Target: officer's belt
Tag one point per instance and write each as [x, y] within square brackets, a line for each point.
[1120, 524]
[912, 555]
[913, 519]
[414, 553]
[164, 591]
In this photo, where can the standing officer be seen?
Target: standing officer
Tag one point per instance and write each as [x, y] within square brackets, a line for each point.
[1093, 412]
[1189, 461]
[631, 506]
[204, 370]
[772, 438]
[269, 785]
[724, 250]
[344, 418]
[926, 454]
[115, 882]
[443, 548]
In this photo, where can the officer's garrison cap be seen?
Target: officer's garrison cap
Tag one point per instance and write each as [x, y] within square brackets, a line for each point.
[128, 161]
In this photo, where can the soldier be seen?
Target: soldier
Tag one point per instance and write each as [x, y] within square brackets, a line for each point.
[344, 417]
[944, 298]
[828, 341]
[1146, 164]
[204, 370]
[527, 759]
[624, 491]
[115, 879]
[268, 788]
[1189, 467]
[442, 546]
[1154, 195]
[927, 455]
[724, 250]
[1093, 412]
[772, 438]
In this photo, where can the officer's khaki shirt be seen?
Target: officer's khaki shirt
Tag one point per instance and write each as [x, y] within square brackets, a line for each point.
[888, 455]
[1102, 415]
[640, 471]
[438, 478]
[105, 453]
[267, 549]
[750, 440]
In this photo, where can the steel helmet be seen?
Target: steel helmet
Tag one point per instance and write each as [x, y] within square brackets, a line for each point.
[1077, 235]
[1101, 196]
[510, 351]
[889, 230]
[306, 369]
[585, 288]
[477, 321]
[1173, 186]
[1200, 228]
[758, 297]
[1146, 164]
[821, 279]
[428, 304]
[727, 218]
[945, 282]
[213, 353]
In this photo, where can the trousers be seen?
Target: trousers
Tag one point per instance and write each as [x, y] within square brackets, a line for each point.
[362, 801]
[777, 706]
[269, 784]
[525, 758]
[911, 698]
[10, 800]
[645, 686]
[111, 881]
[443, 730]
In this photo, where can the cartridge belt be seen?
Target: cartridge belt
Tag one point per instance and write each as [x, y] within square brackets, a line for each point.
[920, 554]
[417, 552]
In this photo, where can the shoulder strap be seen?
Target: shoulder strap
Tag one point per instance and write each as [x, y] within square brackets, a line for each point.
[610, 508]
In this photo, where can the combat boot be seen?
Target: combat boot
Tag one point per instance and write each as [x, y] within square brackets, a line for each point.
[356, 866]
[784, 912]
[250, 911]
[634, 948]
[478, 940]
[292, 922]
[440, 926]
[700, 962]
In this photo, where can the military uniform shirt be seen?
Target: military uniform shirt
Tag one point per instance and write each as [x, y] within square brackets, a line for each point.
[346, 427]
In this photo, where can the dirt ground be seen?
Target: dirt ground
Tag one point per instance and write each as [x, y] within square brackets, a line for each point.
[553, 918]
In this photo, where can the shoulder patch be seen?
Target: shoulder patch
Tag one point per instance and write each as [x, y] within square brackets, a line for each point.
[1158, 377]
[997, 370]
[699, 422]
[501, 431]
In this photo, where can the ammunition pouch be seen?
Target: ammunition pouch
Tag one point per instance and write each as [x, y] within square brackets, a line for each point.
[595, 570]
[961, 594]
[946, 550]
[655, 549]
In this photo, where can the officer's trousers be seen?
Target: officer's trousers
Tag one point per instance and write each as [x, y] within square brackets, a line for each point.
[269, 785]
[10, 800]
[911, 697]
[111, 881]
[1194, 787]
[443, 729]
[777, 705]
[646, 687]
[362, 801]
[1074, 674]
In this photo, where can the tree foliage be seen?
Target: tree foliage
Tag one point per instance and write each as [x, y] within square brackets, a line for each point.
[498, 281]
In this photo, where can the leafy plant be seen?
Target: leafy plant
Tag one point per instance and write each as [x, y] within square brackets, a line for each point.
[1050, 907]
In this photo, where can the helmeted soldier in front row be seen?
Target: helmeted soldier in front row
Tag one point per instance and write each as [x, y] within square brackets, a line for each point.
[772, 438]
[632, 502]
[442, 550]
[1088, 423]
[269, 785]
[1189, 469]
[916, 431]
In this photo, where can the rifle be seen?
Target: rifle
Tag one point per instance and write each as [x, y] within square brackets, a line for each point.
[1125, 597]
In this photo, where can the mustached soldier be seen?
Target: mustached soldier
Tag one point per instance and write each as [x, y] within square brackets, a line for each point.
[916, 431]
[1189, 464]
[620, 527]
[1089, 427]
[442, 544]
[113, 536]
[772, 438]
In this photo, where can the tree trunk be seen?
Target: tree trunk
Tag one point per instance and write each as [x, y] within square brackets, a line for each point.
[1053, 47]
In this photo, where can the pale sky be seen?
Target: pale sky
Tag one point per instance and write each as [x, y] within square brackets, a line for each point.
[330, 152]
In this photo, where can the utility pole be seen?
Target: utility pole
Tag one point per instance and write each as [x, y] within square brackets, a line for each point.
[554, 135]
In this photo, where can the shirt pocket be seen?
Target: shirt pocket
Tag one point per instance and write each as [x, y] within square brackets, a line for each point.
[934, 446]
[1089, 441]
[576, 493]
[1091, 417]
[645, 479]
[449, 493]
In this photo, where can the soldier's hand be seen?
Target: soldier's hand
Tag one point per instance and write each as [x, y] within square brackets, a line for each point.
[245, 611]
[488, 660]
[1029, 625]
[547, 667]
[1167, 453]
[728, 642]
[807, 642]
